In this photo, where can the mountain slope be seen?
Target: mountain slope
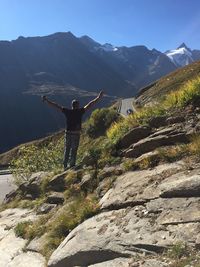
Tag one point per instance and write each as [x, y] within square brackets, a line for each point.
[137, 64]
[58, 65]
[168, 83]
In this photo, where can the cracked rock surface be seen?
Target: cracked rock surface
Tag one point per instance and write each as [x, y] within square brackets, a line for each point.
[144, 212]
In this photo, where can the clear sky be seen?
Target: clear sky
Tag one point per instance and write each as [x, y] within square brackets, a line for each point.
[160, 24]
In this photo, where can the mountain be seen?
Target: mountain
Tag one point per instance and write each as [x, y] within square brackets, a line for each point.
[65, 67]
[137, 64]
[183, 55]
[58, 65]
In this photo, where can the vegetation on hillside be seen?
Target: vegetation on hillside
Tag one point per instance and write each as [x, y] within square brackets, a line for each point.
[169, 83]
[187, 94]
[49, 156]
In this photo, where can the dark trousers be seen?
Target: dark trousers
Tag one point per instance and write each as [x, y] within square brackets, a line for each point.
[71, 148]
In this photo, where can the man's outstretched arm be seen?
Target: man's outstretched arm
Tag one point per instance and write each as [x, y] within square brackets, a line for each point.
[94, 101]
[52, 104]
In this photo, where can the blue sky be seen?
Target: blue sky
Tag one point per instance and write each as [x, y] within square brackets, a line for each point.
[160, 24]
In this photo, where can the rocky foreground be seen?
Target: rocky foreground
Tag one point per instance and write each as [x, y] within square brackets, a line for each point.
[144, 213]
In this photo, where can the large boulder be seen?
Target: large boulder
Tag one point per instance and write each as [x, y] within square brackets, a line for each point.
[150, 143]
[57, 183]
[157, 121]
[136, 187]
[126, 232]
[134, 136]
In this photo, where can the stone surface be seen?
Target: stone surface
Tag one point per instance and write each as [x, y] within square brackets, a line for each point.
[110, 171]
[37, 244]
[10, 247]
[11, 217]
[115, 234]
[57, 183]
[45, 208]
[86, 182]
[157, 121]
[134, 136]
[175, 119]
[28, 259]
[138, 186]
[118, 262]
[184, 184]
[55, 198]
[150, 143]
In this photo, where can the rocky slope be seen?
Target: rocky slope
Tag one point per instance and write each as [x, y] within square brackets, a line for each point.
[145, 212]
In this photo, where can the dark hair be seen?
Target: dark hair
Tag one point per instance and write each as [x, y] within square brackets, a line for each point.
[75, 103]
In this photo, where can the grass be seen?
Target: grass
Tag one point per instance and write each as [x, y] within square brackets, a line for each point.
[58, 225]
[187, 94]
[169, 83]
[181, 255]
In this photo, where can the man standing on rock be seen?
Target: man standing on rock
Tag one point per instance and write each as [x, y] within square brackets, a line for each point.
[73, 129]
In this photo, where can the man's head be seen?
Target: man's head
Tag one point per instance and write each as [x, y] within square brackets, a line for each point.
[75, 104]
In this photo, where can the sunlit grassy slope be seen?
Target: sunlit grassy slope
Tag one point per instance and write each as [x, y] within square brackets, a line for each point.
[169, 83]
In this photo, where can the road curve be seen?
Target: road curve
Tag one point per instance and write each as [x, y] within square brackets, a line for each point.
[6, 185]
[126, 104]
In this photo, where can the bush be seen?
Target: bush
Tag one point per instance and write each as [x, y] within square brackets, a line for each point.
[100, 120]
[33, 159]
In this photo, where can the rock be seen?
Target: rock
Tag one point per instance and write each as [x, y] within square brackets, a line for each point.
[87, 182]
[118, 262]
[10, 246]
[158, 121]
[150, 143]
[110, 235]
[105, 185]
[57, 183]
[150, 156]
[32, 189]
[10, 196]
[37, 244]
[110, 171]
[175, 210]
[182, 185]
[11, 217]
[45, 208]
[55, 198]
[175, 119]
[124, 262]
[134, 136]
[29, 259]
[170, 130]
[138, 186]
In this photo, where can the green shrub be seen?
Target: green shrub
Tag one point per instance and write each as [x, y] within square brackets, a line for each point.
[99, 121]
[33, 159]
[21, 229]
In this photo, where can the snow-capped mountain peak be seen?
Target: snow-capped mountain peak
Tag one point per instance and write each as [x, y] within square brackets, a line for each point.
[181, 56]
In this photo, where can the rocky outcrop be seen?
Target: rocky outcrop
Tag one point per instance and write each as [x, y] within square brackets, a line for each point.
[152, 142]
[144, 212]
[134, 136]
[12, 247]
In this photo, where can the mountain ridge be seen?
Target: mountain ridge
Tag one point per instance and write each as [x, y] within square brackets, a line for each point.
[65, 67]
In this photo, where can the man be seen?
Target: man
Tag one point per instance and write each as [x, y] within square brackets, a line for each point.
[73, 129]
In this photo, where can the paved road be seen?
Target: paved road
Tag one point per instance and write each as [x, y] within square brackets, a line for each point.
[6, 185]
[126, 104]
